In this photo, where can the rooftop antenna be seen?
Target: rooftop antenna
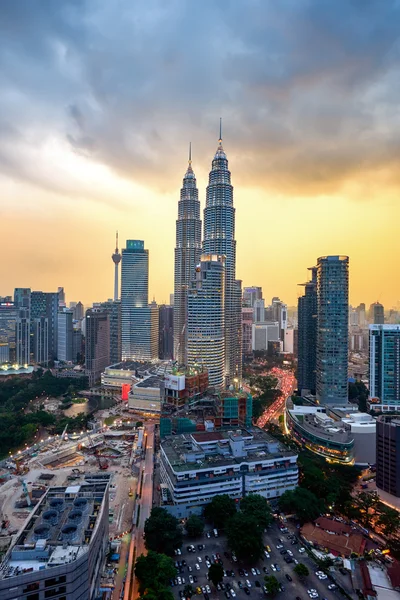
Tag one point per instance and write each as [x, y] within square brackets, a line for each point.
[190, 153]
[220, 130]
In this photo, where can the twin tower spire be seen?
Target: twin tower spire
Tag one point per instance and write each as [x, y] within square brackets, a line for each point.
[218, 239]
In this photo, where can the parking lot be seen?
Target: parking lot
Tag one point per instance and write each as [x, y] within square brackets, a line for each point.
[217, 546]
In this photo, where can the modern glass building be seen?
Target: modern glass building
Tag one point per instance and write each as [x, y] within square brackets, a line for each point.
[332, 329]
[113, 307]
[45, 305]
[134, 297]
[307, 335]
[206, 319]
[219, 239]
[97, 343]
[384, 367]
[388, 454]
[65, 335]
[187, 257]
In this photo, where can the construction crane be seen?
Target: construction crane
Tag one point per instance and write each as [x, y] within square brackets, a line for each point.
[25, 490]
[62, 437]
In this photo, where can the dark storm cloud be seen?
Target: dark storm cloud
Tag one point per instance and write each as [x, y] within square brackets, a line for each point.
[308, 89]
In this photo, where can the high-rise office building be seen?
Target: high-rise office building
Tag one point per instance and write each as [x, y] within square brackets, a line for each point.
[97, 343]
[77, 344]
[388, 454]
[187, 256]
[206, 319]
[61, 297]
[45, 304]
[139, 319]
[279, 315]
[14, 333]
[251, 294]
[247, 325]
[219, 239]
[40, 340]
[259, 311]
[113, 307]
[332, 329]
[22, 298]
[134, 295]
[362, 319]
[307, 335]
[166, 332]
[78, 311]
[376, 314]
[384, 367]
[65, 335]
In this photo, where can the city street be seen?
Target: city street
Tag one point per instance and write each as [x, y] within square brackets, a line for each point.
[287, 383]
[146, 498]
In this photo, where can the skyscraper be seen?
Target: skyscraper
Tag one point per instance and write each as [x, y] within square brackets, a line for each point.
[206, 319]
[307, 335]
[97, 343]
[45, 304]
[219, 239]
[166, 332]
[384, 367]
[388, 454]
[139, 319]
[251, 294]
[65, 335]
[332, 329]
[376, 314]
[116, 258]
[279, 314]
[114, 311]
[187, 256]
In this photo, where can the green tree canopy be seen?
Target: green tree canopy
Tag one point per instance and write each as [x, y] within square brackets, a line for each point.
[301, 570]
[257, 506]
[154, 571]
[188, 591]
[194, 526]
[303, 503]
[245, 537]
[162, 532]
[160, 593]
[220, 510]
[389, 520]
[216, 573]
[367, 501]
[272, 585]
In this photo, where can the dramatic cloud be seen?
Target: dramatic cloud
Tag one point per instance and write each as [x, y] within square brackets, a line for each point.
[308, 92]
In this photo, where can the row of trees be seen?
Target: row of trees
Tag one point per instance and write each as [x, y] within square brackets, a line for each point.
[273, 585]
[244, 527]
[265, 391]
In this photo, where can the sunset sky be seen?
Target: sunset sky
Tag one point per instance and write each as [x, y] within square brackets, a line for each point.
[99, 100]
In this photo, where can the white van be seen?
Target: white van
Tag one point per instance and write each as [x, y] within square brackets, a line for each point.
[216, 532]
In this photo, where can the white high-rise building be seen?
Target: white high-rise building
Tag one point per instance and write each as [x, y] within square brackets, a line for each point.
[206, 319]
[65, 335]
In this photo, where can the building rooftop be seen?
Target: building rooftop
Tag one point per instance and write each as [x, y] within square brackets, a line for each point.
[319, 424]
[130, 365]
[153, 381]
[222, 448]
[58, 531]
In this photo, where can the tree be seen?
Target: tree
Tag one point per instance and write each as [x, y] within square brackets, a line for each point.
[389, 520]
[154, 571]
[220, 510]
[245, 537]
[139, 423]
[304, 503]
[301, 570]
[216, 573]
[194, 526]
[272, 585]
[162, 532]
[257, 506]
[188, 591]
[367, 501]
[161, 593]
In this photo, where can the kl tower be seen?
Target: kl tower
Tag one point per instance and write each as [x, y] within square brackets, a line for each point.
[116, 257]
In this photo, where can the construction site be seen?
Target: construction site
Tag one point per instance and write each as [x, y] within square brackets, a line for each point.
[113, 451]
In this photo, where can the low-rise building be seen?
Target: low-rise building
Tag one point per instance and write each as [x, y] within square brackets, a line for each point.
[145, 395]
[60, 549]
[195, 467]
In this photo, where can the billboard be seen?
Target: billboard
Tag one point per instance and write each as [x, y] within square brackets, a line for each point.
[126, 388]
[175, 382]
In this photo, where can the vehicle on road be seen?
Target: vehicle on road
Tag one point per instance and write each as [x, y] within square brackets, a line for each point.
[302, 550]
[246, 591]
[288, 577]
[332, 586]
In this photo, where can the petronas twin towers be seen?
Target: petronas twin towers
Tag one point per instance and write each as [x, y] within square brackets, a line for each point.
[207, 297]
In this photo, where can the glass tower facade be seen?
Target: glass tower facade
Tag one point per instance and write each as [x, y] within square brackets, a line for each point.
[219, 239]
[187, 257]
[307, 335]
[384, 365]
[206, 319]
[332, 329]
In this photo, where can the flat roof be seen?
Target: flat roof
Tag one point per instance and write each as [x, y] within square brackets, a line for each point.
[153, 381]
[58, 530]
[185, 451]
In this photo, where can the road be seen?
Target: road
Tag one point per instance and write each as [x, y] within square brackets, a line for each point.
[146, 500]
[287, 383]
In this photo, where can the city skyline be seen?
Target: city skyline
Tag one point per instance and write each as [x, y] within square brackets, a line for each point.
[306, 134]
